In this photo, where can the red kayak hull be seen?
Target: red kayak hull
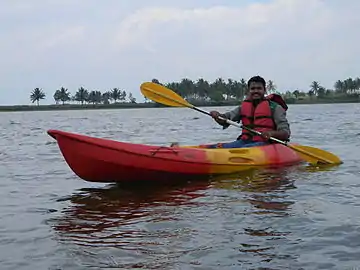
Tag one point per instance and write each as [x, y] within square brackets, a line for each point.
[108, 161]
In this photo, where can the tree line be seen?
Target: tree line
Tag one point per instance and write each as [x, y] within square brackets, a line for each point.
[204, 91]
[83, 96]
[221, 90]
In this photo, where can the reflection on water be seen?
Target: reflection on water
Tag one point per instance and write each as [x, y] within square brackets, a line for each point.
[97, 216]
[141, 222]
[135, 221]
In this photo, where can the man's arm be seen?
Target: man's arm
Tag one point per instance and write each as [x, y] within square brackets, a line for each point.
[283, 127]
[233, 115]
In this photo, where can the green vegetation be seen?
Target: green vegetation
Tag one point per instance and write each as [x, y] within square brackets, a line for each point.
[199, 93]
[231, 91]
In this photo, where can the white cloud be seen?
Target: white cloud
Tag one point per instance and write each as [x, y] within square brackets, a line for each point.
[225, 26]
[117, 45]
[289, 41]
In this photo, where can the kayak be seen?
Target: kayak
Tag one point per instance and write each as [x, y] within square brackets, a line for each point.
[108, 161]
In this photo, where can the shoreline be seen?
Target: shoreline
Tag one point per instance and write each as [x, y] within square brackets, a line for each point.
[66, 107]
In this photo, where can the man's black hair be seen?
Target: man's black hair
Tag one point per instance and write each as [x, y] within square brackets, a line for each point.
[257, 79]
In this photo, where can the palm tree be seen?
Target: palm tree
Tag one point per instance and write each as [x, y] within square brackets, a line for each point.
[62, 94]
[57, 96]
[186, 88]
[106, 97]
[202, 88]
[311, 93]
[115, 94]
[271, 87]
[230, 88]
[131, 98]
[95, 97]
[243, 88]
[340, 87]
[350, 85]
[122, 95]
[321, 92]
[81, 95]
[314, 87]
[357, 83]
[296, 93]
[36, 95]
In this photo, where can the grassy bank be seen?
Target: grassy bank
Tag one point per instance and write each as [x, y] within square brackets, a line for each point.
[124, 105]
[58, 107]
[327, 100]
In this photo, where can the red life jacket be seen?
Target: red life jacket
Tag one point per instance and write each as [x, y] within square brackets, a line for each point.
[259, 118]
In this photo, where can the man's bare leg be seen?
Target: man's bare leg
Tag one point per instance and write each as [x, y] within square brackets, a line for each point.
[174, 144]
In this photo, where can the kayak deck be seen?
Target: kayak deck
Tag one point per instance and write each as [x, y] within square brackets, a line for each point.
[103, 160]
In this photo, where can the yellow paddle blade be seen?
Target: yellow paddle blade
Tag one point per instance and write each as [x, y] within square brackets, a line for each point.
[315, 156]
[163, 95]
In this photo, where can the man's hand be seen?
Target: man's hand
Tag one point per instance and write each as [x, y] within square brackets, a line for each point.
[278, 134]
[215, 115]
[268, 134]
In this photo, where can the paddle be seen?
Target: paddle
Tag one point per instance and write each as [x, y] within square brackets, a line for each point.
[163, 95]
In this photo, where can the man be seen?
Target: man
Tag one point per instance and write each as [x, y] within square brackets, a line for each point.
[259, 113]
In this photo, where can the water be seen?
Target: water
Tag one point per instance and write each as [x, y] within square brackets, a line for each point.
[294, 218]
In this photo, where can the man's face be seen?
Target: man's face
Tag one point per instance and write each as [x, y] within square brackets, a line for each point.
[256, 90]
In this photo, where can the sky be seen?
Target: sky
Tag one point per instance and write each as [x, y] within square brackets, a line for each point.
[100, 45]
